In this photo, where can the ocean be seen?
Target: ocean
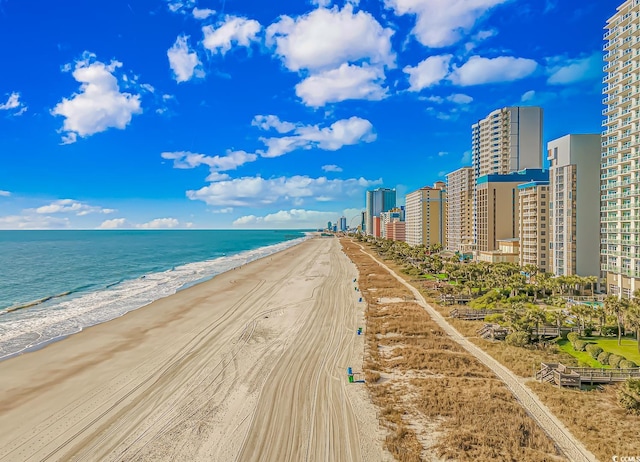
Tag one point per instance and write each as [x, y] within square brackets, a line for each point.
[56, 283]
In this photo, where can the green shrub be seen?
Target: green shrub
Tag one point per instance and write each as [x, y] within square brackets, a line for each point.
[588, 331]
[564, 334]
[495, 318]
[572, 337]
[626, 364]
[609, 331]
[579, 345]
[518, 339]
[594, 350]
[614, 360]
[603, 358]
[629, 396]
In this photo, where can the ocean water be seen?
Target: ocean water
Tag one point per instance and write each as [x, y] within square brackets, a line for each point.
[56, 283]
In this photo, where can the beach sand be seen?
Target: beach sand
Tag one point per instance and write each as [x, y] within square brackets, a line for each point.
[250, 366]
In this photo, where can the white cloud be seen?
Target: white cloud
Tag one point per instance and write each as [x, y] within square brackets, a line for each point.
[441, 23]
[231, 161]
[324, 39]
[232, 31]
[160, 223]
[202, 13]
[323, 3]
[70, 206]
[266, 122]
[345, 132]
[460, 98]
[14, 104]
[528, 96]
[115, 223]
[466, 157]
[344, 83]
[184, 61]
[99, 105]
[33, 222]
[478, 70]
[331, 168]
[223, 210]
[429, 72]
[4, 193]
[287, 219]
[258, 191]
[443, 154]
[567, 71]
[180, 6]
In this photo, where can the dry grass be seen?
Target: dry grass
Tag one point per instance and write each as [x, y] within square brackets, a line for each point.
[595, 418]
[431, 381]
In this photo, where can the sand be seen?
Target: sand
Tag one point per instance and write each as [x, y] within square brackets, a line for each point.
[250, 366]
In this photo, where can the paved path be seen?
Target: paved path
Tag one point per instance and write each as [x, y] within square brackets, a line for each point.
[572, 448]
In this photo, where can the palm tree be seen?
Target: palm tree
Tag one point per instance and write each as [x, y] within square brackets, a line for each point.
[536, 315]
[616, 307]
[633, 315]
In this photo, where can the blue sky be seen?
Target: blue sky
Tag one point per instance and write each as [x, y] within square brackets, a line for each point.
[280, 114]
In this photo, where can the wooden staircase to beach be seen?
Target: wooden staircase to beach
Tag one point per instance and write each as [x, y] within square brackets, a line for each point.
[564, 376]
[493, 332]
[468, 314]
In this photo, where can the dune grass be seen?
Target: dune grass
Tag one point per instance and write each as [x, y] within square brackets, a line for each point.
[434, 397]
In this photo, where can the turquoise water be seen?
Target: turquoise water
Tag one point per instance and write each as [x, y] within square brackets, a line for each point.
[55, 283]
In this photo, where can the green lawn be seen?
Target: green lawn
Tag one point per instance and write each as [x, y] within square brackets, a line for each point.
[582, 356]
[628, 349]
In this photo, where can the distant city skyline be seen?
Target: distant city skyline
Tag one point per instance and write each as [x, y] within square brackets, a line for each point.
[215, 114]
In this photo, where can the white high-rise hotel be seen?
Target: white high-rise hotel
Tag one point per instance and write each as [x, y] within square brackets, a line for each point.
[620, 157]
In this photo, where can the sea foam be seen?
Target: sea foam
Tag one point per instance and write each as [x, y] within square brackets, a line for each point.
[39, 324]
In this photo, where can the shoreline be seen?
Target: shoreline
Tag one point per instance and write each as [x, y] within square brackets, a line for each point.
[249, 363]
[186, 286]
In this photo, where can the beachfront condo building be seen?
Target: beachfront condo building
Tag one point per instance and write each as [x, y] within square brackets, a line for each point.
[460, 210]
[396, 230]
[426, 216]
[533, 234]
[574, 220]
[377, 201]
[395, 214]
[620, 156]
[507, 140]
[497, 208]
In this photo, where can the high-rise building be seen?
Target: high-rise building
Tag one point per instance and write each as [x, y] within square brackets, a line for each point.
[507, 140]
[460, 210]
[378, 201]
[497, 208]
[426, 216]
[574, 221]
[395, 214]
[620, 157]
[396, 230]
[534, 235]
[343, 224]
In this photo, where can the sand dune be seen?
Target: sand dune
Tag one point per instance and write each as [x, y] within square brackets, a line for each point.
[250, 366]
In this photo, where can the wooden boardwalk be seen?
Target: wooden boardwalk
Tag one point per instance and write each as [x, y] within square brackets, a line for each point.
[564, 376]
[469, 314]
[552, 331]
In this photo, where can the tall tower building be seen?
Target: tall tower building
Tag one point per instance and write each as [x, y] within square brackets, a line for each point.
[378, 201]
[498, 206]
[620, 156]
[343, 224]
[460, 210]
[426, 216]
[507, 140]
[533, 199]
[574, 220]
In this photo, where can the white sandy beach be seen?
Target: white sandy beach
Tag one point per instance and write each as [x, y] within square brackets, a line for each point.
[250, 366]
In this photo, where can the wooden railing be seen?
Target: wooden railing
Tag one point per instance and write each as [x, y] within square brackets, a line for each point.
[565, 376]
